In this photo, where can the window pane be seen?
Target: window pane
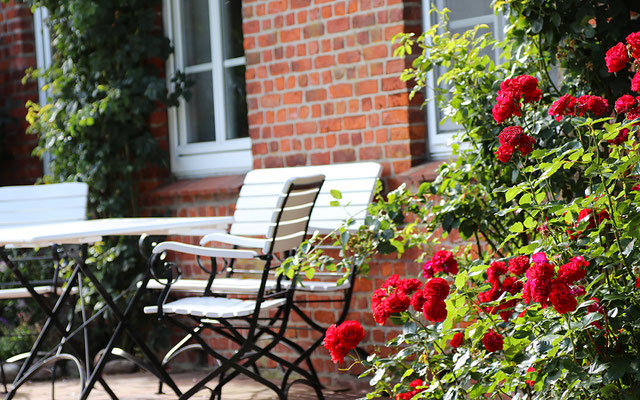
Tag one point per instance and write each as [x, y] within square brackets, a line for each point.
[462, 9]
[195, 30]
[237, 124]
[232, 29]
[200, 118]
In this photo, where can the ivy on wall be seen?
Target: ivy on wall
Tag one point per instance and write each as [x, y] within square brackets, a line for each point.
[106, 78]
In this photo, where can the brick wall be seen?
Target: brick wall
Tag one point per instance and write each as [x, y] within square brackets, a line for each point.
[17, 53]
[323, 87]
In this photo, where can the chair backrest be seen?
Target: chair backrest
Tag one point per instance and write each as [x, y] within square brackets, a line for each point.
[261, 189]
[289, 221]
[40, 204]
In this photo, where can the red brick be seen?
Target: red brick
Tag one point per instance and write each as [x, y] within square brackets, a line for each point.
[249, 27]
[361, 21]
[399, 133]
[338, 25]
[318, 142]
[301, 65]
[316, 95]
[306, 127]
[399, 100]
[340, 9]
[343, 139]
[279, 83]
[292, 98]
[289, 35]
[273, 162]
[354, 106]
[267, 40]
[259, 148]
[326, 12]
[391, 31]
[341, 107]
[395, 83]
[270, 100]
[397, 151]
[349, 57]
[283, 130]
[370, 153]
[324, 61]
[331, 140]
[344, 155]
[320, 158]
[313, 30]
[331, 125]
[366, 87]
[351, 123]
[300, 3]
[279, 68]
[277, 6]
[377, 51]
[341, 90]
[356, 139]
[294, 160]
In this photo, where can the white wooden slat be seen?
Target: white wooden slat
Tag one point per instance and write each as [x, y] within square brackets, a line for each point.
[203, 251]
[298, 198]
[342, 185]
[23, 293]
[35, 204]
[219, 285]
[214, 307]
[344, 171]
[26, 192]
[250, 229]
[25, 217]
[255, 215]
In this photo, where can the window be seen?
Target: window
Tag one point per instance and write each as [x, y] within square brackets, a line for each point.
[209, 132]
[464, 15]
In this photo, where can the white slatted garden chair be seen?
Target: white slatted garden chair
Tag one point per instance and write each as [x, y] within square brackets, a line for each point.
[356, 183]
[243, 320]
[39, 204]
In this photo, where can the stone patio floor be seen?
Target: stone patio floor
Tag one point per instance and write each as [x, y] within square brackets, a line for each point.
[143, 386]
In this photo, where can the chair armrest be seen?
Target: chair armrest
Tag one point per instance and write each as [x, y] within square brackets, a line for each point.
[203, 251]
[248, 242]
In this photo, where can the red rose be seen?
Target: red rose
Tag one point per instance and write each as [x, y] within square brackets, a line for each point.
[506, 309]
[457, 339]
[332, 343]
[512, 285]
[351, 334]
[529, 370]
[527, 87]
[638, 282]
[504, 153]
[536, 289]
[341, 339]
[519, 265]
[442, 261]
[397, 302]
[572, 271]
[435, 311]
[593, 104]
[625, 104]
[636, 187]
[492, 341]
[565, 105]
[578, 291]
[436, 289]
[409, 286]
[418, 300]
[595, 306]
[623, 136]
[492, 294]
[496, 270]
[561, 298]
[513, 137]
[507, 105]
[542, 270]
[633, 40]
[635, 83]
[616, 58]
[586, 215]
[408, 395]
[392, 281]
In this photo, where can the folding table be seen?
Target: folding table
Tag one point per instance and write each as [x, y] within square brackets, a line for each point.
[82, 233]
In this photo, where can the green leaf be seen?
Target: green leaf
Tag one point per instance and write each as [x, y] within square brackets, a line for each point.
[512, 192]
[336, 194]
[334, 203]
[530, 223]
[516, 228]
[525, 199]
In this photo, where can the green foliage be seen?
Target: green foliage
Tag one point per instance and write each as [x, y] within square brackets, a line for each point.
[105, 80]
[574, 195]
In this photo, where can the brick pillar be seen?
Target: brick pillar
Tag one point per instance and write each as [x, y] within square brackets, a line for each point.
[17, 53]
[323, 85]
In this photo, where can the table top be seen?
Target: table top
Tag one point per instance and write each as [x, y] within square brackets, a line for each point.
[89, 231]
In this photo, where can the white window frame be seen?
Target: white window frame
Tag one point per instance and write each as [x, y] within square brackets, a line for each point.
[43, 61]
[441, 136]
[222, 156]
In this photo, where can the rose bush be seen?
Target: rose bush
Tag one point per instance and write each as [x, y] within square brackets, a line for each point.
[543, 301]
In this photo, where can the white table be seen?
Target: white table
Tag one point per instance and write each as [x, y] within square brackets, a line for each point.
[90, 231]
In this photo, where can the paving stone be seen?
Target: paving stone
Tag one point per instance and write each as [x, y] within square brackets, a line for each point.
[144, 386]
